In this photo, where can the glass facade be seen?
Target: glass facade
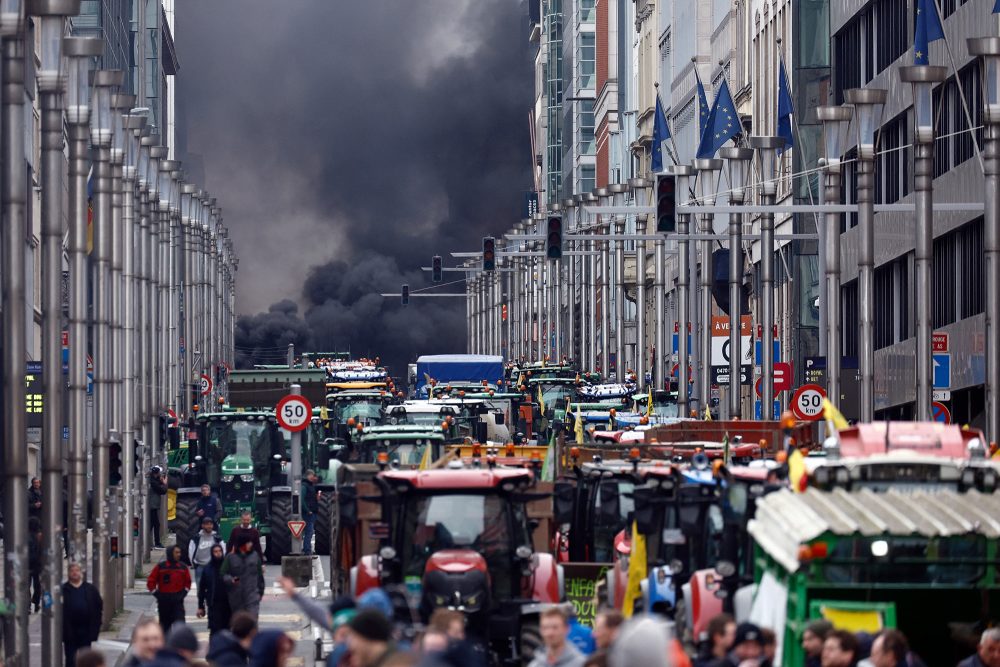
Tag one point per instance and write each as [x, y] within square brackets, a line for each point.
[553, 29]
[586, 61]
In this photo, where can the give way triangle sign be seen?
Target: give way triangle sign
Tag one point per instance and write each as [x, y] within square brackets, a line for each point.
[296, 527]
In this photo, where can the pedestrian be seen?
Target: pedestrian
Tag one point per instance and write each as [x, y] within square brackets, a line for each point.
[369, 639]
[721, 631]
[333, 621]
[179, 649]
[88, 657]
[157, 489]
[607, 623]
[310, 506]
[889, 649]
[35, 499]
[246, 528]
[458, 649]
[243, 573]
[769, 642]
[271, 648]
[82, 613]
[35, 549]
[147, 639]
[212, 595]
[208, 506]
[747, 644]
[643, 640]
[988, 652]
[169, 582]
[840, 649]
[556, 650]
[200, 547]
[230, 647]
[448, 621]
[812, 641]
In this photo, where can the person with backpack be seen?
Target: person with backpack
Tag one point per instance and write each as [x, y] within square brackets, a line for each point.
[243, 574]
[200, 547]
[169, 582]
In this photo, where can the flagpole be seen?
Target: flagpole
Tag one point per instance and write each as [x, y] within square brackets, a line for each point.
[961, 91]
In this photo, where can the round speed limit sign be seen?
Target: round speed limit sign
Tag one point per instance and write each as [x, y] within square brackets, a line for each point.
[294, 413]
[807, 403]
[206, 385]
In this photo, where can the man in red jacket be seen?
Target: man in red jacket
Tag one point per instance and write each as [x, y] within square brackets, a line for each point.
[170, 582]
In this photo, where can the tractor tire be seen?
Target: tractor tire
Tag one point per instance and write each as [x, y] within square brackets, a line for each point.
[339, 577]
[531, 639]
[184, 523]
[279, 540]
[323, 518]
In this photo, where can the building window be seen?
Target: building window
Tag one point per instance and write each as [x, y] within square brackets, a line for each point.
[973, 268]
[586, 125]
[872, 41]
[588, 178]
[586, 61]
[587, 12]
[849, 318]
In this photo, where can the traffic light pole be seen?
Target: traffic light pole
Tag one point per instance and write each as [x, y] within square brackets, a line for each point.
[683, 174]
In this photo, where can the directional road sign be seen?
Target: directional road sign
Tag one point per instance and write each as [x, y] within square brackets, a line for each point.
[294, 413]
[776, 409]
[940, 413]
[807, 403]
[758, 346]
[942, 371]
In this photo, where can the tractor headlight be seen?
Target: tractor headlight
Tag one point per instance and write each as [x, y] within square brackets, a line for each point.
[246, 478]
[387, 553]
[227, 478]
[523, 552]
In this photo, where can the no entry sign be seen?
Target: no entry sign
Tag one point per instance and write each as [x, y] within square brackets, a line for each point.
[294, 413]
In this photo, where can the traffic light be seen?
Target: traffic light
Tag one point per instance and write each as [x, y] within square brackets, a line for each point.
[489, 253]
[666, 202]
[553, 244]
[115, 464]
[436, 269]
[406, 295]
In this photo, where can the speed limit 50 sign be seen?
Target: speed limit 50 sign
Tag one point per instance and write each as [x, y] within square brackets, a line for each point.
[294, 413]
[807, 403]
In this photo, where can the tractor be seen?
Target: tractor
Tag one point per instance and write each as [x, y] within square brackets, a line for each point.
[460, 538]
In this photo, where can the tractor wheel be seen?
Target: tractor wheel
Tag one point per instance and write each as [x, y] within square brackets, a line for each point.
[323, 518]
[338, 576]
[531, 639]
[279, 540]
[184, 524]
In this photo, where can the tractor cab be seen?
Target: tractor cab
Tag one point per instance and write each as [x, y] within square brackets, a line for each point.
[405, 446]
[363, 407]
[461, 538]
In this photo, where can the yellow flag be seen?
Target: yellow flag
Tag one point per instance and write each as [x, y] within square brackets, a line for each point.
[425, 460]
[832, 415]
[636, 571]
[708, 414]
[649, 404]
[578, 427]
[797, 470]
[541, 401]
[324, 414]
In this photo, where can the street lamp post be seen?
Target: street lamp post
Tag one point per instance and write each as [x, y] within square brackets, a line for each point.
[538, 307]
[923, 78]
[738, 161]
[868, 103]
[835, 123]
[590, 288]
[604, 195]
[683, 173]
[570, 267]
[640, 190]
[15, 460]
[138, 154]
[51, 82]
[709, 175]
[989, 49]
[767, 149]
[552, 268]
[79, 52]
[618, 221]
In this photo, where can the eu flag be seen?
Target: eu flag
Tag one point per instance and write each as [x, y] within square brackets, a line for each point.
[661, 135]
[723, 123]
[928, 29]
[703, 105]
[996, 7]
[785, 109]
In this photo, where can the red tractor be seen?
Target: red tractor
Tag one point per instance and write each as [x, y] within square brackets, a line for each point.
[463, 538]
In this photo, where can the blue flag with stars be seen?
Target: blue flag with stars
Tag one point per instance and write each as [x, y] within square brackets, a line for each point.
[928, 29]
[996, 7]
[661, 135]
[723, 123]
[785, 109]
[703, 104]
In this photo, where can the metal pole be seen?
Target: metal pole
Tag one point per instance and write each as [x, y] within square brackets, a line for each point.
[708, 180]
[739, 161]
[683, 174]
[638, 186]
[767, 147]
[572, 217]
[620, 365]
[296, 390]
[659, 310]
[538, 307]
[144, 369]
[605, 298]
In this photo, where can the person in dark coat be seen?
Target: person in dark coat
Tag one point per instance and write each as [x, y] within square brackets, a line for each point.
[246, 528]
[157, 489]
[82, 610]
[310, 506]
[243, 573]
[988, 652]
[35, 562]
[271, 648]
[35, 498]
[170, 582]
[231, 648]
[212, 594]
[179, 649]
[208, 506]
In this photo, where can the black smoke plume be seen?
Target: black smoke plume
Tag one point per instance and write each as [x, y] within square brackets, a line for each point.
[348, 142]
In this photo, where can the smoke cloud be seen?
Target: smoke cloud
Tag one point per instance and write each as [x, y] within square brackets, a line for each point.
[347, 144]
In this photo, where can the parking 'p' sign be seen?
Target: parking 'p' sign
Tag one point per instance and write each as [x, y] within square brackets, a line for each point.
[294, 413]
